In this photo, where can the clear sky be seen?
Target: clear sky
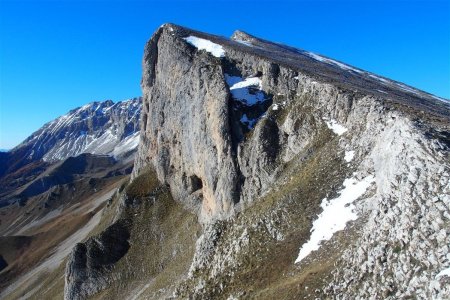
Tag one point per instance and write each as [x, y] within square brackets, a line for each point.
[58, 55]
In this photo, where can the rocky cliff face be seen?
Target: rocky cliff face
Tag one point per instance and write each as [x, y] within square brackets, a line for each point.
[210, 123]
[311, 178]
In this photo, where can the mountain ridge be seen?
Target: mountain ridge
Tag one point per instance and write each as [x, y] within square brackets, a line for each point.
[96, 109]
[240, 35]
[294, 58]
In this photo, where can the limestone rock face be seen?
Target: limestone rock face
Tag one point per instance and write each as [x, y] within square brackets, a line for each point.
[185, 121]
[218, 152]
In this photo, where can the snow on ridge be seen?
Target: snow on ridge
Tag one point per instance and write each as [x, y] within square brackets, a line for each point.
[333, 62]
[129, 143]
[203, 44]
[384, 81]
[335, 126]
[246, 43]
[69, 134]
[440, 99]
[335, 215]
[417, 92]
[409, 89]
[404, 88]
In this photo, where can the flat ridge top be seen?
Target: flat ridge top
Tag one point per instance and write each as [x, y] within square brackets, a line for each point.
[327, 70]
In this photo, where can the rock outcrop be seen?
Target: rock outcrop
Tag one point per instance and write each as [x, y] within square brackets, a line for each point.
[195, 135]
[88, 262]
[185, 120]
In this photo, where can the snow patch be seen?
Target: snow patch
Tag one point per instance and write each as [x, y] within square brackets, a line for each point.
[275, 107]
[379, 78]
[335, 215]
[408, 89]
[336, 127]
[333, 62]
[248, 90]
[237, 82]
[349, 155]
[440, 99]
[202, 44]
[445, 272]
[244, 43]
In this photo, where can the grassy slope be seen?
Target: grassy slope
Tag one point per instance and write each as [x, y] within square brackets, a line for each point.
[163, 236]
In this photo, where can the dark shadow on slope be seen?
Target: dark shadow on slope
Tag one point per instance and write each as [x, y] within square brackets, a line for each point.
[68, 171]
[244, 115]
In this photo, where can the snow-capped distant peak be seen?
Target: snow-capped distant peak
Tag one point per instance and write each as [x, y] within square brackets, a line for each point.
[97, 127]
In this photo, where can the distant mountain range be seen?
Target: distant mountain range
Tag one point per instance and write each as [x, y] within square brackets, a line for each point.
[99, 128]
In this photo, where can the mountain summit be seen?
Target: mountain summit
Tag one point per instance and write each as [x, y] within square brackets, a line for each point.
[98, 127]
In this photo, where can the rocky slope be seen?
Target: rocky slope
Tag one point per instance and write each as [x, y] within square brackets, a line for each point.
[309, 178]
[196, 138]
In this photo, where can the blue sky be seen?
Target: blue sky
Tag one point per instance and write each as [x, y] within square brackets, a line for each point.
[58, 55]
